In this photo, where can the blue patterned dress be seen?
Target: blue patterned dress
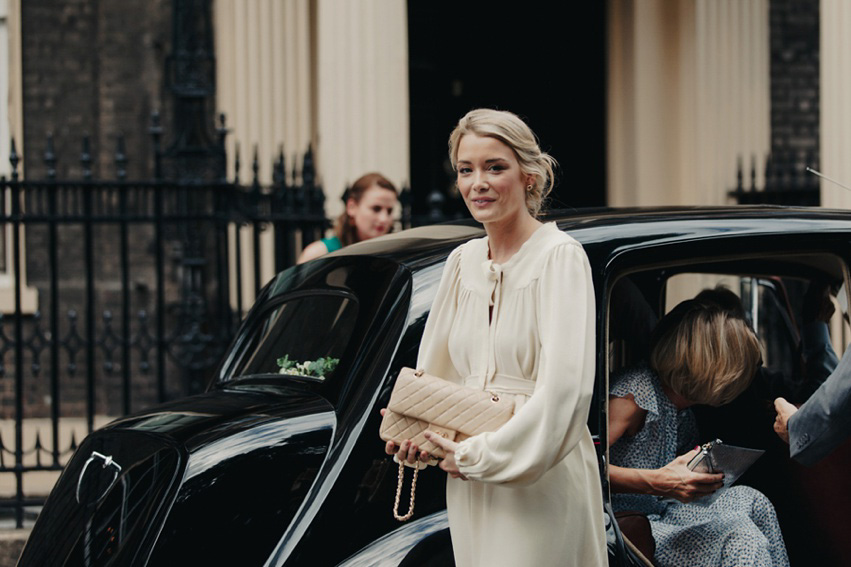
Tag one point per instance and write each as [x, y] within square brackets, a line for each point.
[738, 528]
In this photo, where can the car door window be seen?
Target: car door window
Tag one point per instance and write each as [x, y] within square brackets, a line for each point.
[305, 336]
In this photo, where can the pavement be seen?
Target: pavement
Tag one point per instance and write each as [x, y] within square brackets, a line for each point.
[35, 484]
[11, 544]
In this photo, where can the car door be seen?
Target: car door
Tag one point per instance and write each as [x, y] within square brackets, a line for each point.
[771, 277]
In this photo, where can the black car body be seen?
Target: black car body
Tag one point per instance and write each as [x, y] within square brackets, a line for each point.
[272, 469]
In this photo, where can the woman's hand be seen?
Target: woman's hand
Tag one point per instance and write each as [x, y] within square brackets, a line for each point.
[407, 451]
[675, 480]
[448, 462]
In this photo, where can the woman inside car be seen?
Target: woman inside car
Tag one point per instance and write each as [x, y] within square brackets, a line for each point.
[699, 354]
[514, 315]
[369, 213]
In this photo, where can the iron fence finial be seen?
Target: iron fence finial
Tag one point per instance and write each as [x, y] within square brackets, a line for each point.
[50, 158]
[14, 159]
[120, 159]
[86, 158]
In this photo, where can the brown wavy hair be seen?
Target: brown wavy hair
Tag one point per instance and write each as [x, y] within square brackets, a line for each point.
[344, 226]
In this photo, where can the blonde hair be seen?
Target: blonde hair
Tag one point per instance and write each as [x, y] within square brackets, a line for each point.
[509, 129]
[704, 354]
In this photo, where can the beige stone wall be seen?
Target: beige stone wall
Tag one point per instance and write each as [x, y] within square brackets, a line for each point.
[688, 94]
[11, 126]
[264, 78]
[330, 73]
[835, 83]
[362, 93]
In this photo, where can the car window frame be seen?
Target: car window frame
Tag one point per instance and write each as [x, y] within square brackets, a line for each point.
[261, 316]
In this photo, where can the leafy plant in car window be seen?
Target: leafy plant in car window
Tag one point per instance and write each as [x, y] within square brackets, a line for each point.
[305, 336]
[317, 368]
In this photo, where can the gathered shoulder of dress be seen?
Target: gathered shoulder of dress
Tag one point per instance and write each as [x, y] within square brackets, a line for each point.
[525, 329]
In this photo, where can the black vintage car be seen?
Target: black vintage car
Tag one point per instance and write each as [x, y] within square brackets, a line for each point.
[279, 463]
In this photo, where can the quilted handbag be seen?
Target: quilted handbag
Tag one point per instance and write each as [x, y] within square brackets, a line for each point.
[421, 402]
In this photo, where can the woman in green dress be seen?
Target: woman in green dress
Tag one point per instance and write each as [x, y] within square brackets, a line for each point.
[369, 213]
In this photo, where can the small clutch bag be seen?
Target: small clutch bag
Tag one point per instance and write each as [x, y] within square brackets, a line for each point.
[421, 402]
[703, 461]
[719, 457]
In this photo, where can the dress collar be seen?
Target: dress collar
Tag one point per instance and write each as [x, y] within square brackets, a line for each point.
[492, 270]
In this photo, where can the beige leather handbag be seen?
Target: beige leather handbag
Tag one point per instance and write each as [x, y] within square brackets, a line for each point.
[421, 402]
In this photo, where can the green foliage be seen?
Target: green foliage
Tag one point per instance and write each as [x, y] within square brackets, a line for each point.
[318, 368]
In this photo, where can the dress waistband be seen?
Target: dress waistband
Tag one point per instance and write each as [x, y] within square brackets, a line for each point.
[502, 384]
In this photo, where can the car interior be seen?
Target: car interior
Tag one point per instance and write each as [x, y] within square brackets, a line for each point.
[779, 295]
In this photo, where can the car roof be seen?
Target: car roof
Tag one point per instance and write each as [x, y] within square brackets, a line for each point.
[604, 231]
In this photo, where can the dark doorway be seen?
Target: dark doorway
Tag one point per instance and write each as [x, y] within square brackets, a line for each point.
[548, 68]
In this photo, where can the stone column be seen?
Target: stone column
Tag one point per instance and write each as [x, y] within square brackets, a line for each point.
[835, 83]
[265, 85]
[264, 79]
[362, 93]
[11, 126]
[688, 95]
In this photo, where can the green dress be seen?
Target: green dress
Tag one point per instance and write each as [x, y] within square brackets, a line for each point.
[332, 244]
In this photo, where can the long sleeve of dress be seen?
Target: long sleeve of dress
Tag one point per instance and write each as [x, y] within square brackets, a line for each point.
[553, 420]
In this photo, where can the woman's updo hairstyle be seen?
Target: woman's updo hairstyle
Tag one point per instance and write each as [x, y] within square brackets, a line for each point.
[509, 129]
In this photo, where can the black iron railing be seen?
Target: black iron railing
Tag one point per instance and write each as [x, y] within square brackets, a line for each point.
[785, 182]
[140, 287]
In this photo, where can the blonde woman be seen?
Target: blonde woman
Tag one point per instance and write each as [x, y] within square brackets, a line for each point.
[700, 354]
[515, 314]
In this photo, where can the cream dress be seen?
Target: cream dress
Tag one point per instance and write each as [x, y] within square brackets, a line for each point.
[533, 497]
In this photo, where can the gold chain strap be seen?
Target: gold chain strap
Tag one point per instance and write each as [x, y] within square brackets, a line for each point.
[410, 513]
